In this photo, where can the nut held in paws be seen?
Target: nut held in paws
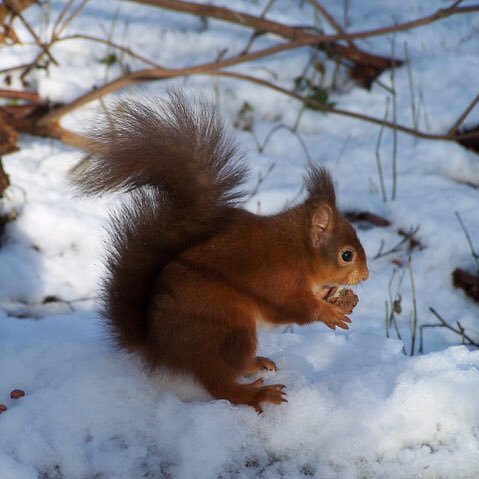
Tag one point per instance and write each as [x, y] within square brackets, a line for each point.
[344, 298]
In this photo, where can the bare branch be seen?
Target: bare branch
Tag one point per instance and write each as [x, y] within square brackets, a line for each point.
[300, 35]
[20, 95]
[157, 73]
[160, 73]
[116, 46]
[48, 124]
[338, 111]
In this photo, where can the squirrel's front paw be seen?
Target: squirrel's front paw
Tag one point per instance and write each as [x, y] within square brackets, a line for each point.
[334, 316]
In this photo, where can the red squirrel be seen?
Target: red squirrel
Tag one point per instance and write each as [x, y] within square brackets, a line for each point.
[189, 272]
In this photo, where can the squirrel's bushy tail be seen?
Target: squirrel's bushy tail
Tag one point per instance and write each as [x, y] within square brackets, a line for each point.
[173, 145]
[182, 172]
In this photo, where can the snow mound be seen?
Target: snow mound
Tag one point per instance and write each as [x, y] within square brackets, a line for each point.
[357, 408]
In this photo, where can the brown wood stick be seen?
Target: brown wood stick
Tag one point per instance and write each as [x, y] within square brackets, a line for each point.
[161, 74]
[30, 96]
[301, 35]
[286, 31]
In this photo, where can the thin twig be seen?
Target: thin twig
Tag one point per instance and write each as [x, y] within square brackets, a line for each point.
[407, 236]
[378, 154]
[424, 326]
[257, 33]
[260, 181]
[346, 13]
[458, 122]
[386, 304]
[330, 19]
[116, 46]
[35, 63]
[460, 329]
[16, 67]
[414, 306]
[411, 86]
[474, 254]
[391, 307]
[421, 103]
[394, 119]
[343, 148]
[18, 13]
[268, 137]
[61, 16]
[457, 3]
[71, 17]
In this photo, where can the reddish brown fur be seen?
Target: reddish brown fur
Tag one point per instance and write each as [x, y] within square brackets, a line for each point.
[190, 273]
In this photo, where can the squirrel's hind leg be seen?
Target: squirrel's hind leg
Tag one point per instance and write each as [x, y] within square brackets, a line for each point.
[216, 350]
[219, 373]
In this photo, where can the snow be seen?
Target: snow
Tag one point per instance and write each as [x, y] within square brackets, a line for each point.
[358, 406]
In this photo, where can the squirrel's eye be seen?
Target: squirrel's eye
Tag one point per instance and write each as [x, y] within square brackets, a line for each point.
[347, 255]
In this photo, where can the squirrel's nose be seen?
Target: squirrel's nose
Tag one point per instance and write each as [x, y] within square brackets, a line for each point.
[365, 275]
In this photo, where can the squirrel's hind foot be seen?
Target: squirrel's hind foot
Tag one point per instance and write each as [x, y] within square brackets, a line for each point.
[260, 363]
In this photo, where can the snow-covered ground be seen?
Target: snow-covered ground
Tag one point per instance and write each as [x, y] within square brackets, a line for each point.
[358, 406]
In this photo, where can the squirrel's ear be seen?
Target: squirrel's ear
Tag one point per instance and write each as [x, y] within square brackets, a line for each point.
[321, 223]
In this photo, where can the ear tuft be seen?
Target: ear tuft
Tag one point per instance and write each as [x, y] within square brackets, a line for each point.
[320, 186]
[321, 224]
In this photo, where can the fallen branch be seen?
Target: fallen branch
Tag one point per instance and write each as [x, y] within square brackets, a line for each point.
[48, 125]
[44, 121]
[338, 111]
[292, 33]
[27, 119]
[374, 64]
[30, 96]
[213, 68]
[306, 37]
